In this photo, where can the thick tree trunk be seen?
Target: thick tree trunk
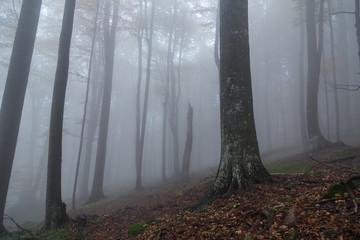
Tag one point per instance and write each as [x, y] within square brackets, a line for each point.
[240, 164]
[14, 94]
[109, 36]
[85, 107]
[55, 215]
[316, 139]
[188, 144]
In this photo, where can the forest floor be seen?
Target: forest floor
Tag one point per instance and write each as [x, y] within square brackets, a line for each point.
[293, 206]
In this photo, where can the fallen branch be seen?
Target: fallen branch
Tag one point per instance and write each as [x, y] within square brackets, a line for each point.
[18, 225]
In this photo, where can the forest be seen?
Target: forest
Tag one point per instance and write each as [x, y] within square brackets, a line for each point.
[179, 119]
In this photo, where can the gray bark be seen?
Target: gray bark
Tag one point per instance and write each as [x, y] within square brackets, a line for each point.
[85, 107]
[314, 50]
[109, 37]
[14, 94]
[240, 164]
[55, 214]
[188, 144]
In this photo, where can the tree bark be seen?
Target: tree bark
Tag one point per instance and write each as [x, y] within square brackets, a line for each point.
[109, 37]
[240, 164]
[55, 215]
[357, 24]
[302, 115]
[14, 94]
[188, 144]
[85, 108]
[146, 100]
[314, 49]
[333, 64]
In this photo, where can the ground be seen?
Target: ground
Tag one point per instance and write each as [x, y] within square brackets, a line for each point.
[291, 207]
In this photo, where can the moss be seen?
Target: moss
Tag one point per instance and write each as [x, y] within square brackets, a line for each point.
[139, 227]
[336, 188]
[291, 235]
[136, 228]
[289, 199]
[289, 167]
[291, 185]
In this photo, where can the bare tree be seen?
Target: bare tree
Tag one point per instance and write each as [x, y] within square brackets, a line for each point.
[55, 215]
[14, 94]
[314, 50]
[109, 38]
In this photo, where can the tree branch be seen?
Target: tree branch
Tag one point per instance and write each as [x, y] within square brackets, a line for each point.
[342, 13]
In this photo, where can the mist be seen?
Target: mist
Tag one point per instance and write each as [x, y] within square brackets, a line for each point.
[278, 50]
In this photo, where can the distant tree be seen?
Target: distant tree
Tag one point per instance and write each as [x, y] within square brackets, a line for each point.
[55, 215]
[314, 50]
[14, 94]
[142, 129]
[109, 41]
[240, 164]
[85, 106]
[188, 144]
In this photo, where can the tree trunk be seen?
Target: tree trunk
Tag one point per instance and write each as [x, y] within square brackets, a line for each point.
[55, 215]
[217, 33]
[14, 94]
[336, 97]
[240, 164]
[188, 144]
[85, 108]
[146, 100]
[109, 37]
[357, 24]
[302, 115]
[316, 139]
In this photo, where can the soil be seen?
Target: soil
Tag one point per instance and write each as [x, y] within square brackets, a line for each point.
[290, 207]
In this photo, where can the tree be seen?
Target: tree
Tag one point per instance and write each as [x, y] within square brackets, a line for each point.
[55, 214]
[141, 129]
[240, 164]
[14, 94]
[314, 50]
[188, 144]
[109, 40]
[357, 24]
[85, 106]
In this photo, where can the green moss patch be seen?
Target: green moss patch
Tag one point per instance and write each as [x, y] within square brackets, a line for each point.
[335, 188]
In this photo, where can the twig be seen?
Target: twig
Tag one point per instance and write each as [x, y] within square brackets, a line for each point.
[351, 194]
[266, 225]
[342, 12]
[343, 168]
[18, 225]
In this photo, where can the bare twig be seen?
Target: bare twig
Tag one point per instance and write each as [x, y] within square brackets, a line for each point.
[18, 225]
[342, 168]
[342, 13]
[351, 194]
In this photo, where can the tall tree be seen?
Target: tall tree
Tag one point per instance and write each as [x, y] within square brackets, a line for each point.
[302, 115]
[333, 65]
[314, 50]
[14, 94]
[357, 24]
[109, 40]
[85, 105]
[240, 164]
[55, 215]
[141, 137]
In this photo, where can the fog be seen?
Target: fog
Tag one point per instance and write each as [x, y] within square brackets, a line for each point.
[275, 46]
